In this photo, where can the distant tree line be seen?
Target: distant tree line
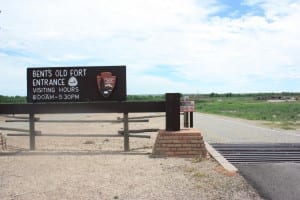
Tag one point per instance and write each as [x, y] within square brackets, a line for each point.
[271, 94]
[22, 99]
[12, 99]
[158, 97]
[161, 97]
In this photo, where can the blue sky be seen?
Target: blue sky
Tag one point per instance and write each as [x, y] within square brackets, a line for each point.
[187, 46]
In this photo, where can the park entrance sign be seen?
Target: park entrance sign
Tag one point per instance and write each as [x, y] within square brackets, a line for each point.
[55, 90]
[76, 84]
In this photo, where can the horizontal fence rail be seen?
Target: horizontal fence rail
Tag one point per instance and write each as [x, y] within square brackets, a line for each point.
[19, 117]
[79, 121]
[77, 135]
[140, 130]
[91, 107]
[18, 130]
[143, 117]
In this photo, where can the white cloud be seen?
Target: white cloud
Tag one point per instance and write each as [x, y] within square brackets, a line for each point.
[187, 35]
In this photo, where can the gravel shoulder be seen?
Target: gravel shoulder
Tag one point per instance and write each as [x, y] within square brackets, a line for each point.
[96, 168]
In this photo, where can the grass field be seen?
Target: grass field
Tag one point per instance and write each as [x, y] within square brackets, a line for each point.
[284, 115]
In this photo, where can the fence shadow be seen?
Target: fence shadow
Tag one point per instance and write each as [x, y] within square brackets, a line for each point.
[25, 152]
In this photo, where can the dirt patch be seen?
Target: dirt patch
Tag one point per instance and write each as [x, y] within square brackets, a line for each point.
[97, 167]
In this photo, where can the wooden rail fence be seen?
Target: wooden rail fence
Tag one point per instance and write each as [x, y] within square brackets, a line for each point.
[171, 106]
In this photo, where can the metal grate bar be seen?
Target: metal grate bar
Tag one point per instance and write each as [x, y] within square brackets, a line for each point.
[259, 153]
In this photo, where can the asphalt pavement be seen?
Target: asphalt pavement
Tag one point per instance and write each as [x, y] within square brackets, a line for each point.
[276, 181]
[279, 181]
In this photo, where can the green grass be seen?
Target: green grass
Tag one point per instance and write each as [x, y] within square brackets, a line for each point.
[286, 114]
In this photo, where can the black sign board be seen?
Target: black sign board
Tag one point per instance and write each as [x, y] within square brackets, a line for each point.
[76, 84]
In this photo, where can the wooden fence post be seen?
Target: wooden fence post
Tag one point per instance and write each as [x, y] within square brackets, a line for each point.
[172, 112]
[126, 132]
[31, 131]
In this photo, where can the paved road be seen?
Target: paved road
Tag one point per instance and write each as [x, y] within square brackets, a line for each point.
[272, 181]
[229, 130]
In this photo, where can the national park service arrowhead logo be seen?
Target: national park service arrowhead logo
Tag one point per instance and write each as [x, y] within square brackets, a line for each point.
[106, 83]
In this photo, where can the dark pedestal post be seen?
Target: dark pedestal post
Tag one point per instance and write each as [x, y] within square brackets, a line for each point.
[186, 119]
[172, 112]
[191, 120]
